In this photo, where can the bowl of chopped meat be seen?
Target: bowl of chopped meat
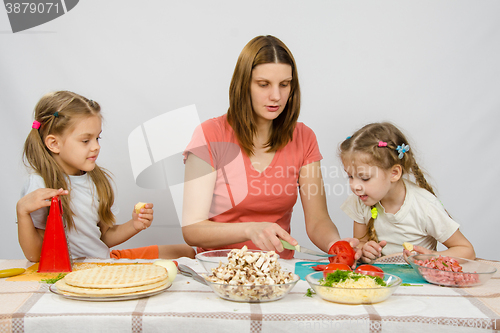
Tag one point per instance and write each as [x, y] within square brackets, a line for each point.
[451, 271]
[244, 275]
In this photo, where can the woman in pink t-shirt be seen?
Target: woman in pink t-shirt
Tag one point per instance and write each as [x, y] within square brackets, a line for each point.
[244, 169]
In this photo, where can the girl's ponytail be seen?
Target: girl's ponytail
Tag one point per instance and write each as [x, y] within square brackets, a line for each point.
[371, 233]
[37, 156]
[419, 176]
[101, 177]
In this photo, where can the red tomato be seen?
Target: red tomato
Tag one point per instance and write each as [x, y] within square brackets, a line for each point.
[345, 253]
[332, 267]
[370, 270]
[319, 267]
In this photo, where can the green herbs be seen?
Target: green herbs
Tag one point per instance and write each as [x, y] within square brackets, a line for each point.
[54, 280]
[336, 277]
[309, 292]
[340, 276]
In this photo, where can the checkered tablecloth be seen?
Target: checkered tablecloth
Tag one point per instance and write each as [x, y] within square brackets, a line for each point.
[189, 306]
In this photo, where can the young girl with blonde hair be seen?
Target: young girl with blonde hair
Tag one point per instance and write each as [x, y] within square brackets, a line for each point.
[388, 209]
[62, 149]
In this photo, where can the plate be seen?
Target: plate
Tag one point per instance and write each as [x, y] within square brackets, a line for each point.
[53, 289]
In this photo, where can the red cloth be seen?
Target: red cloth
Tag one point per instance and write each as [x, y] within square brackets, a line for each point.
[241, 193]
[147, 252]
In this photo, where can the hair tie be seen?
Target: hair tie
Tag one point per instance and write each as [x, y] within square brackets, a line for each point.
[56, 114]
[374, 213]
[402, 150]
[36, 125]
[382, 144]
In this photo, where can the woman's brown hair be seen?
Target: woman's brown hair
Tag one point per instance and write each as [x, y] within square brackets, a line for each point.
[366, 140]
[58, 112]
[240, 115]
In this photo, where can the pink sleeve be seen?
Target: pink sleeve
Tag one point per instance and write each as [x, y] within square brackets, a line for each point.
[311, 148]
[198, 144]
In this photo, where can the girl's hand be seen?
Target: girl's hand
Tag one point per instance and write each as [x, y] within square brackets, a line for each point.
[416, 250]
[372, 251]
[267, 235]
[144, 219]
[37, 199]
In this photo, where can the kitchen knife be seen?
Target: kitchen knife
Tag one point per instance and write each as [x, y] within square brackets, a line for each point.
[302, 249]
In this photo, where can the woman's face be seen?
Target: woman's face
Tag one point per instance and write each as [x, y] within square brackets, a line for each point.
[269, 90]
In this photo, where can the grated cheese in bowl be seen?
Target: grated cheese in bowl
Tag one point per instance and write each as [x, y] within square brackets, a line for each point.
[352, 288]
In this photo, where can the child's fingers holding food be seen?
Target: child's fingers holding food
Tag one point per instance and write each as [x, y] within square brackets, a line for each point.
[138, 206]
[143, 208]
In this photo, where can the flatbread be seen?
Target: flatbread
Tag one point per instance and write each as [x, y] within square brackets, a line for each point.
[163, 287]
[121, 276]
[64, 288]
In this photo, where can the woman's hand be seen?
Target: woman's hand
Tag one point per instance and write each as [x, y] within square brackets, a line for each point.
[144, 219]
[267, 235]
[354, 242]
[372, 251]
[37, 199]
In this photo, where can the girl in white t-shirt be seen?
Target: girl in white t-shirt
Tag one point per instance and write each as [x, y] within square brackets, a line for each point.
[388, 210]
[62, 149]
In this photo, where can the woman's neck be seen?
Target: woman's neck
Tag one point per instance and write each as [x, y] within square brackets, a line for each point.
[262, 134]
[395, 198]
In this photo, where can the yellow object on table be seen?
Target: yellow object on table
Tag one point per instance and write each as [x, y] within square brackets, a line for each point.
[11, 272]
[32, 274]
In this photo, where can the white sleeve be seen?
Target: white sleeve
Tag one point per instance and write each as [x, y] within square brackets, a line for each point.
[39, 217]
[438, 223]
[356, 210]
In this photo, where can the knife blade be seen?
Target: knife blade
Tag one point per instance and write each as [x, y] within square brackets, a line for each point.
[302, 249]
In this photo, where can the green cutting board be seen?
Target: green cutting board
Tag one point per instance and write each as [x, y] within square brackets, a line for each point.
[405, 272]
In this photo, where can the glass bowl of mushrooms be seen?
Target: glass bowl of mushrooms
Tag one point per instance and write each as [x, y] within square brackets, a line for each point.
[244, 275]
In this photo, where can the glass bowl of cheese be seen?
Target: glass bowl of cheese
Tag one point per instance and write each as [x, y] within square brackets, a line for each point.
[353, 288]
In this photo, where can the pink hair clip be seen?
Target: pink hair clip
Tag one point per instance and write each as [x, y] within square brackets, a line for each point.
[36, 125]
[382, 144]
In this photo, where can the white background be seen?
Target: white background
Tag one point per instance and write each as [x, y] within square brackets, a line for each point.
[431, 67]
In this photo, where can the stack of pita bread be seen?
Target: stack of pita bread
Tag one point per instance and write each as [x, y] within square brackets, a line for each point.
[109, 281]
